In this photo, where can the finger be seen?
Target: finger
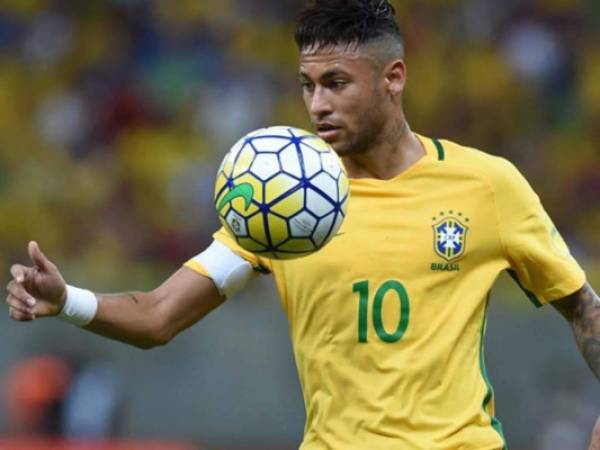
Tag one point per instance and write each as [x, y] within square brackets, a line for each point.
[19, 272]
[17, 290]
[19, 316]
[18, 305]
[38, 257]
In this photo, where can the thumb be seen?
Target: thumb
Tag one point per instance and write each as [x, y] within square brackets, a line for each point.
[37, 257]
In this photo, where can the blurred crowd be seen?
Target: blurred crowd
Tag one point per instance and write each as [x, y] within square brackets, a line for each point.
[114, 114]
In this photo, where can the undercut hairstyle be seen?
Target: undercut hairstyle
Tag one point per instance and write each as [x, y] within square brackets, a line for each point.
[329, 23]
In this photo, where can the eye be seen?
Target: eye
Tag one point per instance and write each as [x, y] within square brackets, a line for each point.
[307, 85]
[338, 84]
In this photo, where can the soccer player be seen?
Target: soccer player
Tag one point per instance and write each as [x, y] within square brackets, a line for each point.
[387, 321]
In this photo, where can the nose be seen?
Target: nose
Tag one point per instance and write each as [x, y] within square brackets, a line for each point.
[320, 103]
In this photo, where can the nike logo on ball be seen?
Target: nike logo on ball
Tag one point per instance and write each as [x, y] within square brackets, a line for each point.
[244, 190]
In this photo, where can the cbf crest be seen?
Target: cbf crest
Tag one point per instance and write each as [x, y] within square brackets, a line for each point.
[450, 235]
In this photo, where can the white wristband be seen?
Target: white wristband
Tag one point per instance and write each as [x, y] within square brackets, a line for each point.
[80, 306]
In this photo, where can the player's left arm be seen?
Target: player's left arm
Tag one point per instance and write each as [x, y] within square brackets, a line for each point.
[582, 311]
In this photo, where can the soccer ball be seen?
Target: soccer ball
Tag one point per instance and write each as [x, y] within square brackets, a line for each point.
[281, 192]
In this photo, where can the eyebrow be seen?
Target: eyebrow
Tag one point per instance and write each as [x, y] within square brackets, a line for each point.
[332, 73]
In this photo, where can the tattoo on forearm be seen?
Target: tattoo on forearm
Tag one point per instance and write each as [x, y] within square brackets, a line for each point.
[133, 297]
[130, 295]
[586, 326]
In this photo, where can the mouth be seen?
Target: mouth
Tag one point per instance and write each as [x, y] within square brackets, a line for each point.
[327, 131]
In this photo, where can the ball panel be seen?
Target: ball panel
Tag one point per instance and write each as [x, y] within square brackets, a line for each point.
[278, 229]
[343, 186]
[257, 230]
[224, 211]
[243, 161]
[302, 224]
[290, 162]
[327, 185]
[227, 166]
[316, 143]
[323, 229]
[331, 164]
[271, 142]
[290, 204]
[344, 205]
[311, 160]
[278, 186]
[265, 166]
[337, 224]
[220, 186]
[317, 204]
[236, 223]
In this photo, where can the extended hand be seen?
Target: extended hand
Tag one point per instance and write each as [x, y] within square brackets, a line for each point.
[35, 291]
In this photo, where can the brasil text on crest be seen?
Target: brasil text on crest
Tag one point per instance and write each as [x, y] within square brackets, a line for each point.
[449, 242]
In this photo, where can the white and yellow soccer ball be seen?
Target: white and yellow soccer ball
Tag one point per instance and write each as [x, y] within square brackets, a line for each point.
[281, 192]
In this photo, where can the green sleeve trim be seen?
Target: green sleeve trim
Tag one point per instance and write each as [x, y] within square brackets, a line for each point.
[530, 295]
[440, 150]
[496, 425]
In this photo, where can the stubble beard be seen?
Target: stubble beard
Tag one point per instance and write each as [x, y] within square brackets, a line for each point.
[371, 135]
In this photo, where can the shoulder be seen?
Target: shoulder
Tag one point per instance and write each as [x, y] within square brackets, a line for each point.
[496, 171]
[473, 158]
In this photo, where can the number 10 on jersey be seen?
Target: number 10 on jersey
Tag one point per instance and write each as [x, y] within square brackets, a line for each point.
[362, 289]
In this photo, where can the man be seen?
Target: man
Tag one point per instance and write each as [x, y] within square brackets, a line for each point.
[389, 347]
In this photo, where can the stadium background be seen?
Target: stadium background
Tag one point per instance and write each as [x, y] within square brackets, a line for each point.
[113, 118]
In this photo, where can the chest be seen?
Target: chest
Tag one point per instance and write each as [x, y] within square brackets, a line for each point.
[410, 231]
[417, 250]
[400, 266]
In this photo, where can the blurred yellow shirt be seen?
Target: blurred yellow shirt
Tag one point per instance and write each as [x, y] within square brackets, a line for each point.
[387, 320]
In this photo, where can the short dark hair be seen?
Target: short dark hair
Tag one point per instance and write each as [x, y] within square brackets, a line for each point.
[325, 23]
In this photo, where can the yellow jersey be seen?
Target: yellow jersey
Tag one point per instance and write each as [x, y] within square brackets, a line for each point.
[387, 320]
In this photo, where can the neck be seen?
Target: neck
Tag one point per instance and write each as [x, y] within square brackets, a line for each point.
[387, 159]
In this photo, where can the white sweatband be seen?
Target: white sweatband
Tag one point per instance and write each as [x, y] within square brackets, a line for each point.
[80, 306]
[229, 272]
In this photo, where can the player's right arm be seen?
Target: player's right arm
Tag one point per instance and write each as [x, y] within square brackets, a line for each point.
[143, 319]
[148, 319]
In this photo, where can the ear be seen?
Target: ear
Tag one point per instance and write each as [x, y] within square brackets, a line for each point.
[395, 77]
